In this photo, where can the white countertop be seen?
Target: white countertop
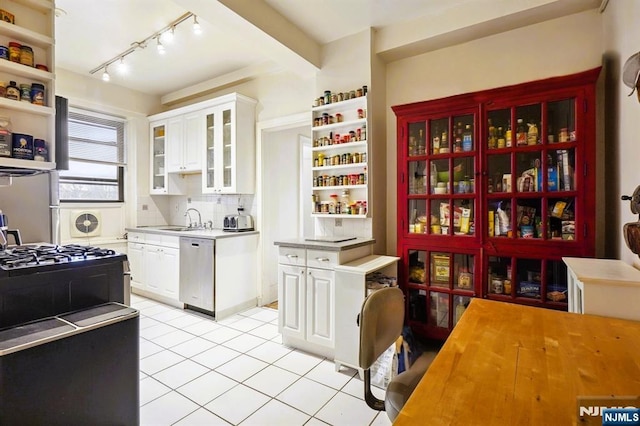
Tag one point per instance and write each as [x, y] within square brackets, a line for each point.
[212, 234]
[603, 271]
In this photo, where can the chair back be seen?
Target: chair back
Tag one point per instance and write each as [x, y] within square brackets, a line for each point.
[381, 321]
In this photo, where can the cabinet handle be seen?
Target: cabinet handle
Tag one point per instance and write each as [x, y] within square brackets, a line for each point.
[322, 259]
[292, 256]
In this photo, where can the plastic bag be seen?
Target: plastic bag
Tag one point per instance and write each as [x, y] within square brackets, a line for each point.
[385, 368]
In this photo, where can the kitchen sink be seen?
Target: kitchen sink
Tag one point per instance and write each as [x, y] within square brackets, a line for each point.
[177, 228]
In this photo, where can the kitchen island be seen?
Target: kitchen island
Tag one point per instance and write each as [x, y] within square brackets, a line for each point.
[507, 364]
[208, 270]
[307, 290]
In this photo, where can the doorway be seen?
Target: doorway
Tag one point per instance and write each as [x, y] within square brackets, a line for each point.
[280, 188]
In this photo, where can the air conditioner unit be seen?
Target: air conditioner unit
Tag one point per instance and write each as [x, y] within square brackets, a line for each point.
[85, 223]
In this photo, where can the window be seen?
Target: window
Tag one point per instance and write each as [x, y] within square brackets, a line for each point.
[96, 158]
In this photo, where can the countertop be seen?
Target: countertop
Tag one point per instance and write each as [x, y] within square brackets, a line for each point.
[212, 234]
[508, 364]
[323, 245]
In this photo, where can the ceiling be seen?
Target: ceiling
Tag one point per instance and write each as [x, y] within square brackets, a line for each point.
[241, 39]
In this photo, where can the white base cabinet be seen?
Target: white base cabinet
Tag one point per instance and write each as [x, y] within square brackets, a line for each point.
[605, 287]
[351, 290]
[155, 266]
[307, 296]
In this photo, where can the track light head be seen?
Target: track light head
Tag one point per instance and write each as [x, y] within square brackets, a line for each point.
[196, 25]
[161, 49]
[105, 75]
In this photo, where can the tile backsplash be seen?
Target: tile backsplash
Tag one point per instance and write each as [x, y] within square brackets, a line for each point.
[170, 210]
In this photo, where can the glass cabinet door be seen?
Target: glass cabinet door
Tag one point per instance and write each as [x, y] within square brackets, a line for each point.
[227, 149]
[210, 181]
[158, 171]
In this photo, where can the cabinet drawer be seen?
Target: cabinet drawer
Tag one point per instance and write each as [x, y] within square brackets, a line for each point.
[163, 240]
[136, 237]
[322, 259]
[291, 256]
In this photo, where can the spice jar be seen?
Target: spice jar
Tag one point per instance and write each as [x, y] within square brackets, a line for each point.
[3, 89]
[26, 55]
[13, 92]
[14, 51]
[25, 93]
[4, 52]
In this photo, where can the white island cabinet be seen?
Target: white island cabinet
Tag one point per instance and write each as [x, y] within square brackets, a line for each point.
[351, 290]
[307, 291]
[605, 287]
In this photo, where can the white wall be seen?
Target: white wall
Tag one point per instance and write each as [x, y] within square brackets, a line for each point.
[621, 40]
[93, 94]
[553, 48]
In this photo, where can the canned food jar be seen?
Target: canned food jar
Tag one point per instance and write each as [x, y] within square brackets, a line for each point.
[14, 51]
[26, 55]
[25, 93]
[13, 92]
[37, 94]
[4, 52]
[42, 67]
[3, 89]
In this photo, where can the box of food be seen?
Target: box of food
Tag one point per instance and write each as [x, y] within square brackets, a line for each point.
[528, 289]
[440, 269]
[7, 16]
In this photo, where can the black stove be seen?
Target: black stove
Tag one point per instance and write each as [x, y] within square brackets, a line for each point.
[30, 259]
[37, 281]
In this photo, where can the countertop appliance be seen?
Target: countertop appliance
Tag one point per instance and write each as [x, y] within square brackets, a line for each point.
[32, 205]
[197, 273]
[73, 368]
[238, 223]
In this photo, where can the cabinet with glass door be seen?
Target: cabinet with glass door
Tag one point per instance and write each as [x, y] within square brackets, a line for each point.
[506, 176]
[229, 149]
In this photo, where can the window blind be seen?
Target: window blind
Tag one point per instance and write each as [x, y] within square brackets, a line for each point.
[96, 138]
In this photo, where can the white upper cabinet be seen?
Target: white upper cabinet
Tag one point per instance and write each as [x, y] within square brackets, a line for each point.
[229, 150]
[215, 138]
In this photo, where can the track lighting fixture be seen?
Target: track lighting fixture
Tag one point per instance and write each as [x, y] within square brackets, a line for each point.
[105, 74]
[196, 25]
[165, 35]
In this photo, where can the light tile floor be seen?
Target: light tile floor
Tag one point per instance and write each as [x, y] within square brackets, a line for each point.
[196, 371]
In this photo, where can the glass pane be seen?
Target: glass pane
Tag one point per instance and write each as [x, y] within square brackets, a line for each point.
[438, 136]
[417, 177]
[417, 216]
[463, 137]
[499, 170]
[463, 268]
[461, 303]
[211, 153]
[417, 267]
[561, 121]
[440, 269]
[528, 170]
[439, 309]
[528, 122]
[561, 223]
[529, 218]
[441, 217]
[556, 281]
[499, 218]
[463, 217]
[417, 144]
[561, 166]
[418, 305]
[463, 172]
[439, 176]
[529, 278]
[499, 275]
[498, 125]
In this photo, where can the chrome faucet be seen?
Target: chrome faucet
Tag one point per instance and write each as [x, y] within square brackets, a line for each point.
[194, 224]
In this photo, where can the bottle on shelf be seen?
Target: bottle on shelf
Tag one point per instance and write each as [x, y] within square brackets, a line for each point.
[508, 135]
[457, 141]
[491, 137]
[344, 202]
[501, 141]
[444, 142]
[435, 145]
[413, 144]
[467, 138]
[521, 133]
[532, 133]
[421, 142]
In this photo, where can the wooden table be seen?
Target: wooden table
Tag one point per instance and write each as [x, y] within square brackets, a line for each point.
[508, 364]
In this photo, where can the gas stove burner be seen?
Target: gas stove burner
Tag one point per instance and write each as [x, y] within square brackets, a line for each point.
[33, 256]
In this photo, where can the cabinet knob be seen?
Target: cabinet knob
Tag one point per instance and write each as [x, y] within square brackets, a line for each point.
[301, 271]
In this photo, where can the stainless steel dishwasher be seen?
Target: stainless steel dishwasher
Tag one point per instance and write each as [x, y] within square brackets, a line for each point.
[197, 267]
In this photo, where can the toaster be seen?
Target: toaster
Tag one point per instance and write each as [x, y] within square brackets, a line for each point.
[237, 223]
